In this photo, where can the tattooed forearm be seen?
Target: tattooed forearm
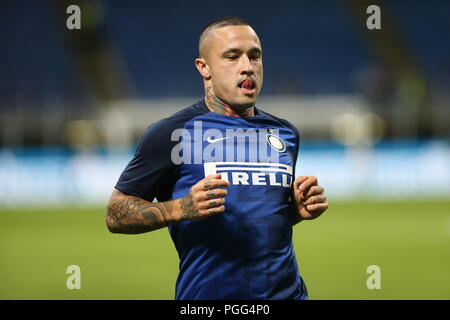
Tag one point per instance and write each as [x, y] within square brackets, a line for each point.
[128, 214]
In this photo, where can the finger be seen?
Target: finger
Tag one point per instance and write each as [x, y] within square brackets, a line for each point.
[317, 207]
[315, 199]
[214, 193]
[213, 183]
[199, 184]
[298, 196]
[216, 211]
[212, 176]
[314, 190]
[299, 180]
[212, 211]
[211, 203]
[305, 185]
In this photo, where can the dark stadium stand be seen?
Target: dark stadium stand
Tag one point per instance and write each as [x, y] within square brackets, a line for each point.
[311, 48]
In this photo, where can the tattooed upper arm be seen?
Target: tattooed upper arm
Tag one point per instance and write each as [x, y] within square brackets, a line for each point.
[130, 214]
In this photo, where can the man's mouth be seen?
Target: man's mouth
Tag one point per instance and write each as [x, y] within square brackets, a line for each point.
[248, 86]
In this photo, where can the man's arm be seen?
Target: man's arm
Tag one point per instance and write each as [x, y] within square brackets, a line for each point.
[130, 214]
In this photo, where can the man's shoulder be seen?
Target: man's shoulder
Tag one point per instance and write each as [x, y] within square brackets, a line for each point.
[283, 122]
[197, 109]
[178, 119]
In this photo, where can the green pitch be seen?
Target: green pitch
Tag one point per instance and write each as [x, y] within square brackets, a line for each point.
[409, 241]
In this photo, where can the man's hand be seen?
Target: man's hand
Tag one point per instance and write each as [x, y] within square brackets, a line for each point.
[205, 199]
[308, 197]
[130, 214]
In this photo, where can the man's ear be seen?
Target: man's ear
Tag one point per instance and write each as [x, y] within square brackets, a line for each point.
[203, 68]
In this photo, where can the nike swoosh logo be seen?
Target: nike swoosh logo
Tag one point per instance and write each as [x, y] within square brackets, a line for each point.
[215, 140]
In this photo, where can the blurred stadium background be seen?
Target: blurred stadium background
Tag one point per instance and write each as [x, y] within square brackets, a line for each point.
[373, 109]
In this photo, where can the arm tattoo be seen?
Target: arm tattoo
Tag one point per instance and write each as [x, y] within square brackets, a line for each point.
[128, 214]
[187, 207]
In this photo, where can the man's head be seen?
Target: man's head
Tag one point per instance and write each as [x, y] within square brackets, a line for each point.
[230, 62]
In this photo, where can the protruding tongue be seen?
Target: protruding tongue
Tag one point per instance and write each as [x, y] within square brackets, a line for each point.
[248, 83]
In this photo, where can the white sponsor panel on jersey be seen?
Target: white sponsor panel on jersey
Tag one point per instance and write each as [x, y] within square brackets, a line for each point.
[252, 173]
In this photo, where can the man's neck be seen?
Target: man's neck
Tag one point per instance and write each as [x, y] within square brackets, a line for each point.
[214, 104]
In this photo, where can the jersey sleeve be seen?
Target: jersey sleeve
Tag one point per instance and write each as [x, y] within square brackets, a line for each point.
[297, 145]
[297, 142]
[149, 174]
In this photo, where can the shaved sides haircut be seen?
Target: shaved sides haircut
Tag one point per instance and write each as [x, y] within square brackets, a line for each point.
[219, 23]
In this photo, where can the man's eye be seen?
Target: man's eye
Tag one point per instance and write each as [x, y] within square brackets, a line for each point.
[231, 57]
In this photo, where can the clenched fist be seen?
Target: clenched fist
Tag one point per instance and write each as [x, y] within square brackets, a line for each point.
[205, 199]
[309, 198]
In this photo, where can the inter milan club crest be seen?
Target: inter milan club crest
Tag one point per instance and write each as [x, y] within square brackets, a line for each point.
[275, 141]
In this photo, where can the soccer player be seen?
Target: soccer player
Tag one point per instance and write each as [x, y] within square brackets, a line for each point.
[222, 171]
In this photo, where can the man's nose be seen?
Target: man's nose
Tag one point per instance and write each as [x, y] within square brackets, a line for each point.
[246, 66]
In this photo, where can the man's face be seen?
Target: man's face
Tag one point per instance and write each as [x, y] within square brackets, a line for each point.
[234, 58]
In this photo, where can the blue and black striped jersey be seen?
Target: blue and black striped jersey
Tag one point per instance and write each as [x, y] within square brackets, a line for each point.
[246, 252]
